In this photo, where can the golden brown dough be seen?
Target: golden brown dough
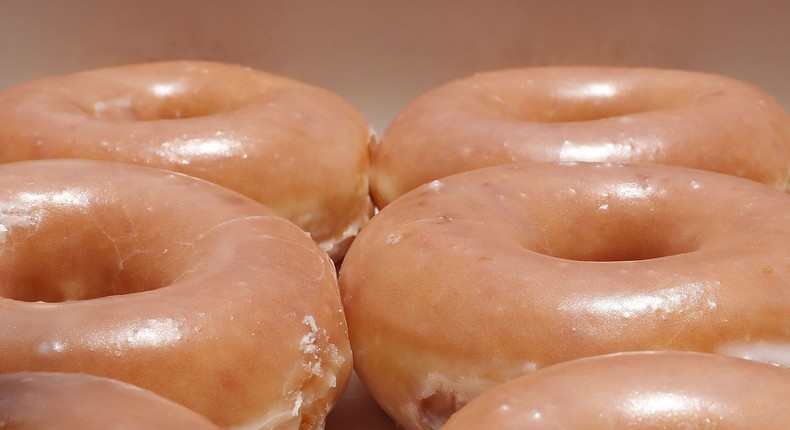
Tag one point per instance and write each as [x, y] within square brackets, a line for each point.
[636, 391]
[298, 149]
[170, 283]
[569, 114]
[479, 277]
[77, 401]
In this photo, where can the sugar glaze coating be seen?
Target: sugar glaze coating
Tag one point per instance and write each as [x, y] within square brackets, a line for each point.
[173, 284]
[636, 391]
[296, 148]
[474, 279]
[78, 401]
[565, 114]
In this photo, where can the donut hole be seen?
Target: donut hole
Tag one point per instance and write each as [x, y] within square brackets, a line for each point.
[182, 107]
[152, 108]
[634, 242]
[590, 100]
[602, 229]
[591, 110]
[170, 101]
[63, 255]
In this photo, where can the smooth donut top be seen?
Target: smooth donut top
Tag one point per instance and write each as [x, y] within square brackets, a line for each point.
[475, 278]
[72, 401]
[297, 148]
[648, 390]
[171, 283]
[584, 114]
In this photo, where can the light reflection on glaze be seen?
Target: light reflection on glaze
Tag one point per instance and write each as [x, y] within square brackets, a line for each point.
[26, 211]
[48, 348]
[12, 218]
[629, 191]
[591, 152]
[769, 352]
[658, 404]
[591, 90]
[670, 300]
[600, 89]
[68, 197]
[150, 333]
[104, 108]
[184, 151]
[165, 89]
[435, 185]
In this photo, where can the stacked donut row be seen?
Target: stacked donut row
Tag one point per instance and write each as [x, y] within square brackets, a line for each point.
[538, 226]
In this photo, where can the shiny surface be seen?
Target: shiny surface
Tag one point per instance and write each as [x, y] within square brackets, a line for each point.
[170, 283]
[477, 278]
[270, 138]
[74, 401]
[636, 391]
[567, 114]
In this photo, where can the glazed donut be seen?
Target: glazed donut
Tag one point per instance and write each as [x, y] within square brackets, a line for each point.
[641, 390]
[170, 283]
[77, 401]
[563, 114]
[472, 280]
[298, 149]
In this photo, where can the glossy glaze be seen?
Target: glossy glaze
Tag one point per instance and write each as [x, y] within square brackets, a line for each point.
[584, 114]
[170, 283]
[72, 401]
[636, 391]
[296, 148]
[477, 278]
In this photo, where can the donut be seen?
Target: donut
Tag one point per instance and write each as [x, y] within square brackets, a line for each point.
[298, 149]
[477, 278]
[566, 114]
[72, 401]
[170, 283]
[640, 390]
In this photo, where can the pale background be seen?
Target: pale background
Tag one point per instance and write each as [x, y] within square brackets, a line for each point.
[381, 54]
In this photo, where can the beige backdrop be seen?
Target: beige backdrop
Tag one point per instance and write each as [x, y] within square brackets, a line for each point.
[381, 54]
